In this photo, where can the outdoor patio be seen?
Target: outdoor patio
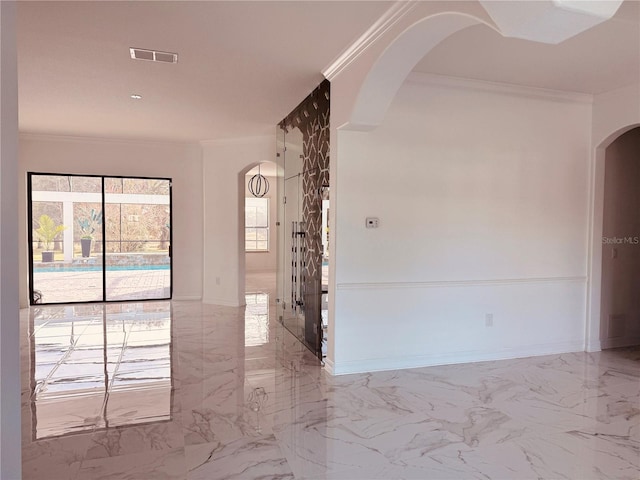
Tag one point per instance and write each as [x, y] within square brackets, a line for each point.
[86, 286]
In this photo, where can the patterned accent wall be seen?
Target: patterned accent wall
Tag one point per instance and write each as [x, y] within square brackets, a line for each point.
[312, 118]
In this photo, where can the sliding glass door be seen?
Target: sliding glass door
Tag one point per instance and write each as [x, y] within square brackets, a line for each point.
[138, 226]
[65, 213]
[96, 238]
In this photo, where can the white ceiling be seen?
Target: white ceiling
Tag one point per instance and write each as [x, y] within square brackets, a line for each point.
[600, 59]
[244, 65]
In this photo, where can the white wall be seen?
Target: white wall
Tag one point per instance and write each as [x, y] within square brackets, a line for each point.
[181, 162]
[10, 428]
[225, 164]
[614, 111]
[482, 198]
[265, 261]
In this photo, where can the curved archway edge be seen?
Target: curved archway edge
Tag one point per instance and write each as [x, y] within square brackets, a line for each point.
[396, 62]
[612, 137]
[544, 21]
[242, 261]
[594, 320]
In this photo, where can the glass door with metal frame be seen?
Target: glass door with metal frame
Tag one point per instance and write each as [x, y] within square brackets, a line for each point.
[299, 285]
[96, 238]
[302, 142]
[138, 227]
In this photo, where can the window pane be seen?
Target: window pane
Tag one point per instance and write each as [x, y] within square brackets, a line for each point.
[137, 234]
[113, 185]
[262, 215]
[250, 216]
[256, 212]
[256, 224]
[62, 208]
[86, 184]
[146, 186]
[51, 183]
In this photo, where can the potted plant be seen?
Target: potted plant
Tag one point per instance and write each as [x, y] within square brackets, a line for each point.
[47, 233]
[87, 229]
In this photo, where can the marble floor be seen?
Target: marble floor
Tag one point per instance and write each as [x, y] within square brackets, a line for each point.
[182, 390]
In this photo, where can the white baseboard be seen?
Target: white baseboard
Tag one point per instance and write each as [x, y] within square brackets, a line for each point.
[222, 303]
[401, 363]
[594, 346]
[329, 366]
[186, 298]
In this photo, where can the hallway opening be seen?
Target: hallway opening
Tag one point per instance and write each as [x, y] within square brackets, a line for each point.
[620, 303]
[260, 253]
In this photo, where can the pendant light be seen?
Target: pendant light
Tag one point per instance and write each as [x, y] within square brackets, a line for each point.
[258, 185]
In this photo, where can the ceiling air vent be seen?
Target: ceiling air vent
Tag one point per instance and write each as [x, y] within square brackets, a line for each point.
[153, 55]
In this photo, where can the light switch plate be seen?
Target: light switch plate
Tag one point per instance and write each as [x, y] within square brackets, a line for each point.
[372, 222]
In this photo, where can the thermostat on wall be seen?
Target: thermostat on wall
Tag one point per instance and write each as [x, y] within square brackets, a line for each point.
[372, 222]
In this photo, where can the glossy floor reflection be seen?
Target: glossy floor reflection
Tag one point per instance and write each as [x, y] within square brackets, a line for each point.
[250, 402]
[98, 366]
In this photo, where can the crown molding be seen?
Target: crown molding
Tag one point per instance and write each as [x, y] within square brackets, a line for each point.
[259, 139]
[432, 79]
[93, 139]
[397, 11]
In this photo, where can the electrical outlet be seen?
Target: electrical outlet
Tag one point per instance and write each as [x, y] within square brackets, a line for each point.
[488, 320]
[372, 222]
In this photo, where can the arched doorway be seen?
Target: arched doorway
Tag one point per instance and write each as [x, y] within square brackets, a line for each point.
[620, 263]
[259, 237]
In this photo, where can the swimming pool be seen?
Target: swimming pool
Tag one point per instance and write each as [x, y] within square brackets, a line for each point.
[98, 268]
